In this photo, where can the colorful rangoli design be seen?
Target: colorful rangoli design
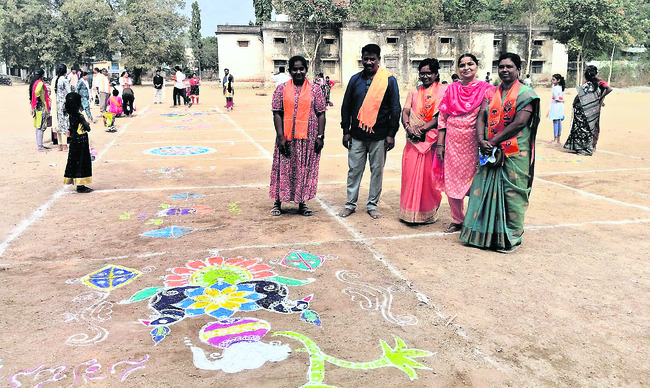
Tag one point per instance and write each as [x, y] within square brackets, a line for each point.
[168, 232]
[110, 277]
[303, 261]
[220, 287]
[179, 151]
[186, 196]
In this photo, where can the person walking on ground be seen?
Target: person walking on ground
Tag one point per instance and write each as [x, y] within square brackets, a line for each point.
[78, 170]
[229, 89]
[421, 170]
[103, 88]
[506, 126]
[457, 144]
[329, 84]
[528, 81]
[158, 88]
[84, 91]
[39, 98]
[74, 78]
[61, 89]
[195, 82]
[585, 127]
[281, 77]
[556, 111]
[179, 88]
[299, 120]
[370, 116]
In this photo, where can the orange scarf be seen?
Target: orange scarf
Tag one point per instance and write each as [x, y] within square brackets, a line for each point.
[370, 107]
[500, 116]
[302, 115]
[428, 102]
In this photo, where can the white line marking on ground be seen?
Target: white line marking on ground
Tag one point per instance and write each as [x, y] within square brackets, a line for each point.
[35, 216]
[119, 133]
[196, 141]
[624, 155]
[217, 251]
[38, 213]
[250, 139]
[595, 196]
[577, 172]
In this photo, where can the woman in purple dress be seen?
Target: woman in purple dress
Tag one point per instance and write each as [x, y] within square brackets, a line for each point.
[299, 120]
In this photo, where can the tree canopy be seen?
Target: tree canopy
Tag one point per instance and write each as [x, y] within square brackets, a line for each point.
[43, 32]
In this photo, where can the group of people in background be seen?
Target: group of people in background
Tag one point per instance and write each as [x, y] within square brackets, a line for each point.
[464, 139]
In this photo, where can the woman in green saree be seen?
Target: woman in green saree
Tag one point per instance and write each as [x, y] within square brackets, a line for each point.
[506, 129]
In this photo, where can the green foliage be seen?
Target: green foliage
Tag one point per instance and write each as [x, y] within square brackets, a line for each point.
[595, 26]
[316, 11]
[25, 33]
[462, 12]
[210, 53]
[411, 14]
[85, 35]
[44, 32]
[150, 32]
[263, 10]
[195, 34]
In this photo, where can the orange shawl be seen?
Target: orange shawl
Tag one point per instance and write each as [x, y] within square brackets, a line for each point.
[425, 105]
[302, 115]
[370, 108]
[500, 115]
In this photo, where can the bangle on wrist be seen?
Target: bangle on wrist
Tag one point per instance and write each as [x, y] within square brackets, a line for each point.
[322, 137]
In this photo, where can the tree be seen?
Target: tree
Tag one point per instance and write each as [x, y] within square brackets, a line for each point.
[463, 13]
[80, 38]
[593, 28]
[195, 35]
[263, 9]
[410, 14]
[210, 53]
[149, 32]
[25, 27]
[317, 15]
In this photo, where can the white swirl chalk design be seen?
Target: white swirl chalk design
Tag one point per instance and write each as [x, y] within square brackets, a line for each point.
[371, 297]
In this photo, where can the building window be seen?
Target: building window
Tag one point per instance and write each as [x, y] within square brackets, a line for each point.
[495, 67]
[446, 66]
[415, 64]
[392, 40]
[329, 67]
[360, 63]
[242, 43]
[537, 67]
[280, 65]
[329, 40]
[496, 43]
[445, 40]
[538, 43]
[279, 40]
[391, 63]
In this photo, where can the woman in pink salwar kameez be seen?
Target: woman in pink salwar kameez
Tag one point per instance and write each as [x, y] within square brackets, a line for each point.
[457, 145]
[421, 170]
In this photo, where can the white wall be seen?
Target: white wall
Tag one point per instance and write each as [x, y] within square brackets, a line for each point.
[244, 63]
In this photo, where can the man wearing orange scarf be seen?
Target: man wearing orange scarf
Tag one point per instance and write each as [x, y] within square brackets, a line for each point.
[370, 119]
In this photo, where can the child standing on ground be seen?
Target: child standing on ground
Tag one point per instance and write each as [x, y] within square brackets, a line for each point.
[78, 170]
[194, 88]
[556, 112]
[83, 88]
[114, 109]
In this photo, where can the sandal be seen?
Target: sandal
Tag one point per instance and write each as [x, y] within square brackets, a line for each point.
[303, 210]
[453, 228]
[276, 210]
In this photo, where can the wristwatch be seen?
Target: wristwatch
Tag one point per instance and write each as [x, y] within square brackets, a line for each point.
[322, 137]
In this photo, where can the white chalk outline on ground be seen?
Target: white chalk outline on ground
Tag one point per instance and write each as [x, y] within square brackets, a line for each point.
[577, 172]
[217, 251]
[595, 196]
[38, 213]
[623, 155]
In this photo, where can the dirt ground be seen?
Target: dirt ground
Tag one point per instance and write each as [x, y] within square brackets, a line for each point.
[570, 308]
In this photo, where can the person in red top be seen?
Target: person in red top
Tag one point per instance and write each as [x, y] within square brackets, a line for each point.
[194, 88]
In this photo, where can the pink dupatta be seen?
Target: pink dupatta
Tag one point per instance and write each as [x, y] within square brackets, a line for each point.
[461, 99]
[35, 97]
